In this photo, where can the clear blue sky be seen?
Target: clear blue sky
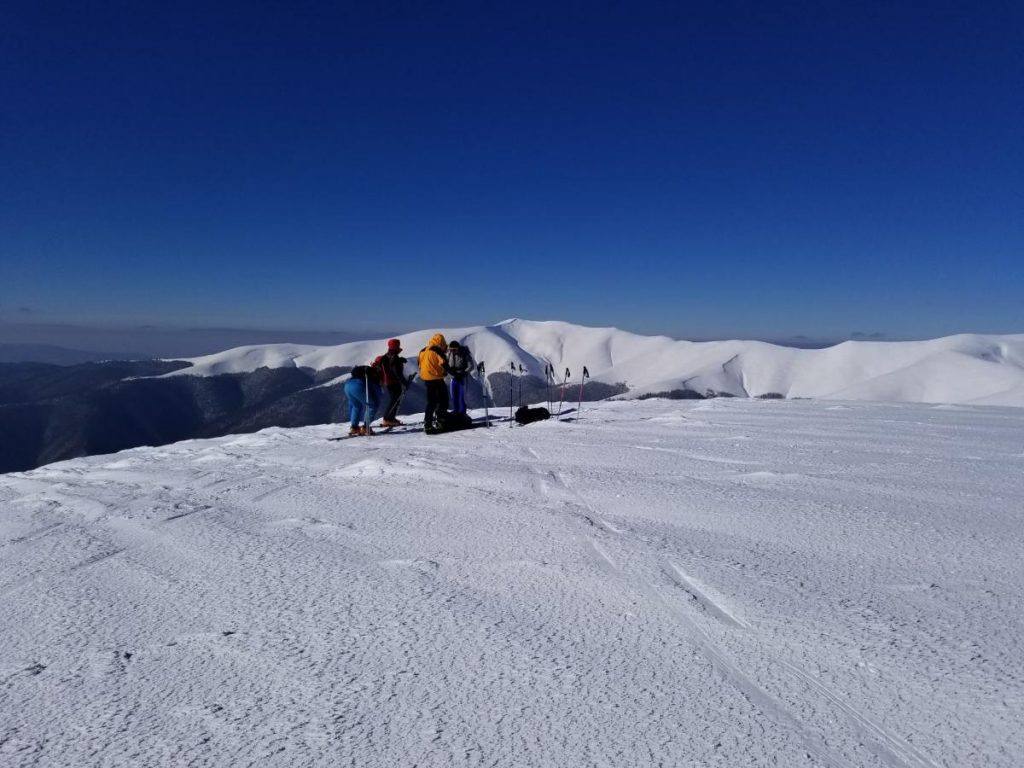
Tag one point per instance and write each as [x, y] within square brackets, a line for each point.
[697, 169]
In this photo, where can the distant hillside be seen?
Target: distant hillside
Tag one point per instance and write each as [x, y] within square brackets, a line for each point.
[49, 413]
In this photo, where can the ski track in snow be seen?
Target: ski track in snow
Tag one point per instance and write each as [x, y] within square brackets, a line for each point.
[772, 583]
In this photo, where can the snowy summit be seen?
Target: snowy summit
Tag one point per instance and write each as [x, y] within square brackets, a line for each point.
[968, 368]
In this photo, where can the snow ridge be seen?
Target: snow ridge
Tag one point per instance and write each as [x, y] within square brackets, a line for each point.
[967, 368]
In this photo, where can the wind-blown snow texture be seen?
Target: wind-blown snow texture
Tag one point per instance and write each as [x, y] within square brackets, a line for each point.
[722, 582]
[986, 370]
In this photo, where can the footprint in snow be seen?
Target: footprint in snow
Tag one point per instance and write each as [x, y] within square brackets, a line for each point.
[417, 565]
[308, 522]
[765, 476]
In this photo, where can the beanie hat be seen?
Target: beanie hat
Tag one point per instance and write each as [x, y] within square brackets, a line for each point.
[395, 344]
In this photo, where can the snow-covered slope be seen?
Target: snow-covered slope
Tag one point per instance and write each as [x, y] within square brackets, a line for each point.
[712, 583]
[956, 369]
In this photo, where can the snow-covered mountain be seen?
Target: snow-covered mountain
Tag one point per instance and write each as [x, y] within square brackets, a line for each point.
[967, 368]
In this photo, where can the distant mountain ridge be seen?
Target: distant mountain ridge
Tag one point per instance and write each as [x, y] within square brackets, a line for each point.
[55, 355]
[967, 368]
[49, 413]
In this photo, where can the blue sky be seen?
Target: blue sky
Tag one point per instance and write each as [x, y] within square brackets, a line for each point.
[695, 169]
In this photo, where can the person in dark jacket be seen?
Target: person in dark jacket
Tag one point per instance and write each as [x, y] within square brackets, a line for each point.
[391, 366]
[364, 395]
[460, 364]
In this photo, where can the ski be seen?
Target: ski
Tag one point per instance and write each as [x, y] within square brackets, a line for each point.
[383, 431]
[474, 425]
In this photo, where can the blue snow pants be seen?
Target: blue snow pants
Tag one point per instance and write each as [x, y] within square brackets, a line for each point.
[458, 395]
[359, 399]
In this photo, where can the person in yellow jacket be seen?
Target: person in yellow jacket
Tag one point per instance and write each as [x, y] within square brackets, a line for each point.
[433, 362]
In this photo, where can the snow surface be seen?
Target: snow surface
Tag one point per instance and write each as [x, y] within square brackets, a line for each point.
[956, 369]
[722, 583]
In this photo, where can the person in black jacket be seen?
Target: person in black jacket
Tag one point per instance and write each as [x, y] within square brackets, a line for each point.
[460, 365]
[391, 366]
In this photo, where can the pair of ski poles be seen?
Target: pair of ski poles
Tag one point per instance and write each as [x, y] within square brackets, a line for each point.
[512, 387]
[565, 381]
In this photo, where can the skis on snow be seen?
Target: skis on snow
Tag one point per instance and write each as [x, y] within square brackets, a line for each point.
[382, 431]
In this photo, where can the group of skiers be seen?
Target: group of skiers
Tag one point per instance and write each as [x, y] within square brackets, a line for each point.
[436, 361]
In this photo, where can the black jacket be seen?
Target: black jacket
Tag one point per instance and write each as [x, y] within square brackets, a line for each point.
[392, 366]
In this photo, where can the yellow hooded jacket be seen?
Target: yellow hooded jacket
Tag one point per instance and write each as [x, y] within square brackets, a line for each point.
[432, 358]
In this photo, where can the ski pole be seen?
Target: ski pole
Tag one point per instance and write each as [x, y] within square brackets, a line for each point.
[547, 382]
[482, 373]
[566, 379]
[405, 389]
[511, 392]
[521, 371]
[366, 393]
[579, 406]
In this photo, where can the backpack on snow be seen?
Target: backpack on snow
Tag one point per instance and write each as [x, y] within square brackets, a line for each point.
[452, 422]
[526, 415]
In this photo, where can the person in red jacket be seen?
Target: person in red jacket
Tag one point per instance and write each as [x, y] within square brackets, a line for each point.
[391, 366]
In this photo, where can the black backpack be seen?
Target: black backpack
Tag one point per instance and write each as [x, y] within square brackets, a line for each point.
[361, 372]
[454, 421]
[526, 415]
